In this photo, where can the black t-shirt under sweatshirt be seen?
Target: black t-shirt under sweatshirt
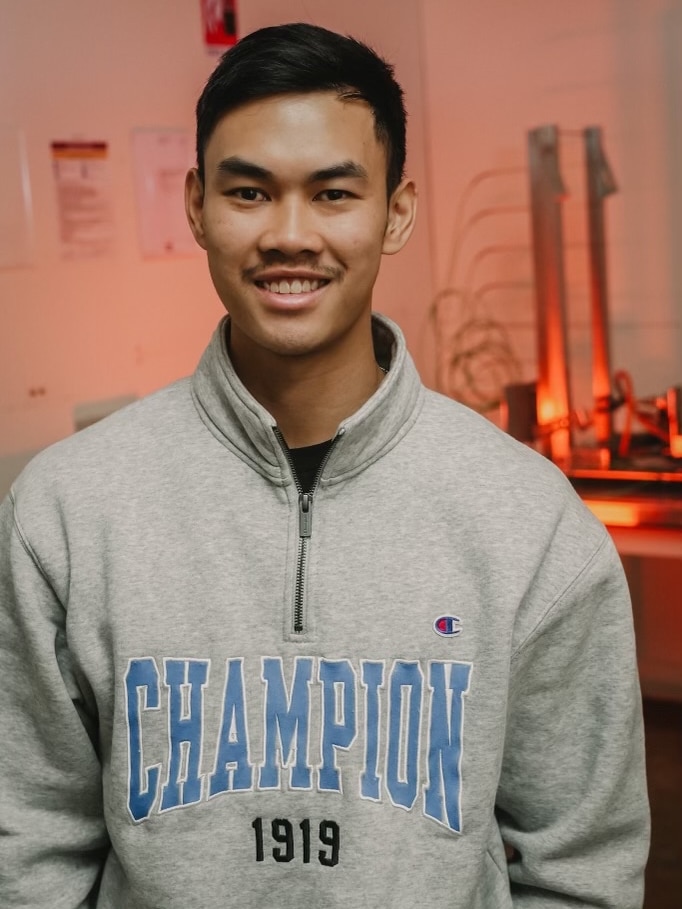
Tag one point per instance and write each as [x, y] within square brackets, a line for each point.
[307, 461]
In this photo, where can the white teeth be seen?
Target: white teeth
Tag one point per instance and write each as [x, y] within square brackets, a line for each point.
[294, 287]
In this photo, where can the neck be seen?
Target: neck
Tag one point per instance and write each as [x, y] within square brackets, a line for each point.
[309, 396]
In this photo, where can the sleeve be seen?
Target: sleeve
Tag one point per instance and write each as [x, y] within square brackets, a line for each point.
[52, 834]
[572, 798]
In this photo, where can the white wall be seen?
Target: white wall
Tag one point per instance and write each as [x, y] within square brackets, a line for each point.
[92, 329]
[88, 330]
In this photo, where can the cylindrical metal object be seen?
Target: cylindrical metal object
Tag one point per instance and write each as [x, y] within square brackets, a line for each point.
[600, 184]
[547, 193]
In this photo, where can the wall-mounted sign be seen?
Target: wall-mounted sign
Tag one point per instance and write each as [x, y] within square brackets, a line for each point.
[161, 159]
[84, 201]
[219, 18]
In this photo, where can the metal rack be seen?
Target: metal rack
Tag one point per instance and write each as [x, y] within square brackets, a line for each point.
[645, 486]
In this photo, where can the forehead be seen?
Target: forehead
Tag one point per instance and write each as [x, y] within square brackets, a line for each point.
[298, 131]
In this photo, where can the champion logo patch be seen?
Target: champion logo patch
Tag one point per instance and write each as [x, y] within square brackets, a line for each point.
[448, 625]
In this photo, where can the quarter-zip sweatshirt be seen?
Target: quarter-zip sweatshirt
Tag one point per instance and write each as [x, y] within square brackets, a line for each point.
[218, 692]
[305, 526]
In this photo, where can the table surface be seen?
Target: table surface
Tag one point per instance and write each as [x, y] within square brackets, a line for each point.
[662, 542]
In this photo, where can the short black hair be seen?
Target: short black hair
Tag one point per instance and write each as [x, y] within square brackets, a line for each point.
[301, 58]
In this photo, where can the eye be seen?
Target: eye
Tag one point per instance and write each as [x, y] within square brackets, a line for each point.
[334, 195]
[248, 194]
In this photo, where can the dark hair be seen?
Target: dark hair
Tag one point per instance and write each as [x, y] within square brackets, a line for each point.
[298, 58]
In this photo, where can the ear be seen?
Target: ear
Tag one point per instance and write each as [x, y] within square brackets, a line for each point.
[402, 210]
[194, 205]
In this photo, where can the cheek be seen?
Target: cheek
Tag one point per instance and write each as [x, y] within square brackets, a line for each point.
[226, 233]
[225, 261]
[366, 251]
[363, 240]
[222, 235]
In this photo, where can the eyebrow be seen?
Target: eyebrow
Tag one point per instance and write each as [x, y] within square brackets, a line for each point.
[335, 171]
[235, 166]
[240, 167]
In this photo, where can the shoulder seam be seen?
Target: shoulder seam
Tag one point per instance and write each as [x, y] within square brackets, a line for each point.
[563, 593]
[26, 545]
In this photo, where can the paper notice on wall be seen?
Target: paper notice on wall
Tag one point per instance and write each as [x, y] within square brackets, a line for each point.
[16, 213]
[219, 19]
[84, 198]
[161, 159]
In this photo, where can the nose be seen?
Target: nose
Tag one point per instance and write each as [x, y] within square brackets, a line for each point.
[291, 227]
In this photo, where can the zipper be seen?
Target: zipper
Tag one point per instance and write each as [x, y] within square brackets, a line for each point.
[305, 527]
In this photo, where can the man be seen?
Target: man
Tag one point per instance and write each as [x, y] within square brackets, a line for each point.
[296, 631]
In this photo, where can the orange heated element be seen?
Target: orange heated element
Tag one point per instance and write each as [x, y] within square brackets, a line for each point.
[547, 411]
[615, 514]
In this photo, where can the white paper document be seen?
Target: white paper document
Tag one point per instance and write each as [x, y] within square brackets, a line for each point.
[84, 198]
[161, 159]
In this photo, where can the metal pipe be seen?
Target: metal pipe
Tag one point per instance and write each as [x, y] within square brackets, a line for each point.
[553, 389]
[600, 184]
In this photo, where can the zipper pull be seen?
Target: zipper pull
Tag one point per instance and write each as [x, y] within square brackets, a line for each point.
[305, 514]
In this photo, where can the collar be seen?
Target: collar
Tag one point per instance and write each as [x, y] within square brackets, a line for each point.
[240, 423]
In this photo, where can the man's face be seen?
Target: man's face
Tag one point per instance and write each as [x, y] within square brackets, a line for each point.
[294, 218]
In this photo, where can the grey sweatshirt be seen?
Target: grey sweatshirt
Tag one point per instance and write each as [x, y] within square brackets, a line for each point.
[217, 692]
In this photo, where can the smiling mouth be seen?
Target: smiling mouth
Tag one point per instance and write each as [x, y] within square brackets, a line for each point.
[295, 286]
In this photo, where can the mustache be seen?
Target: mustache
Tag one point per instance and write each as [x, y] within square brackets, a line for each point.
[324, 272]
